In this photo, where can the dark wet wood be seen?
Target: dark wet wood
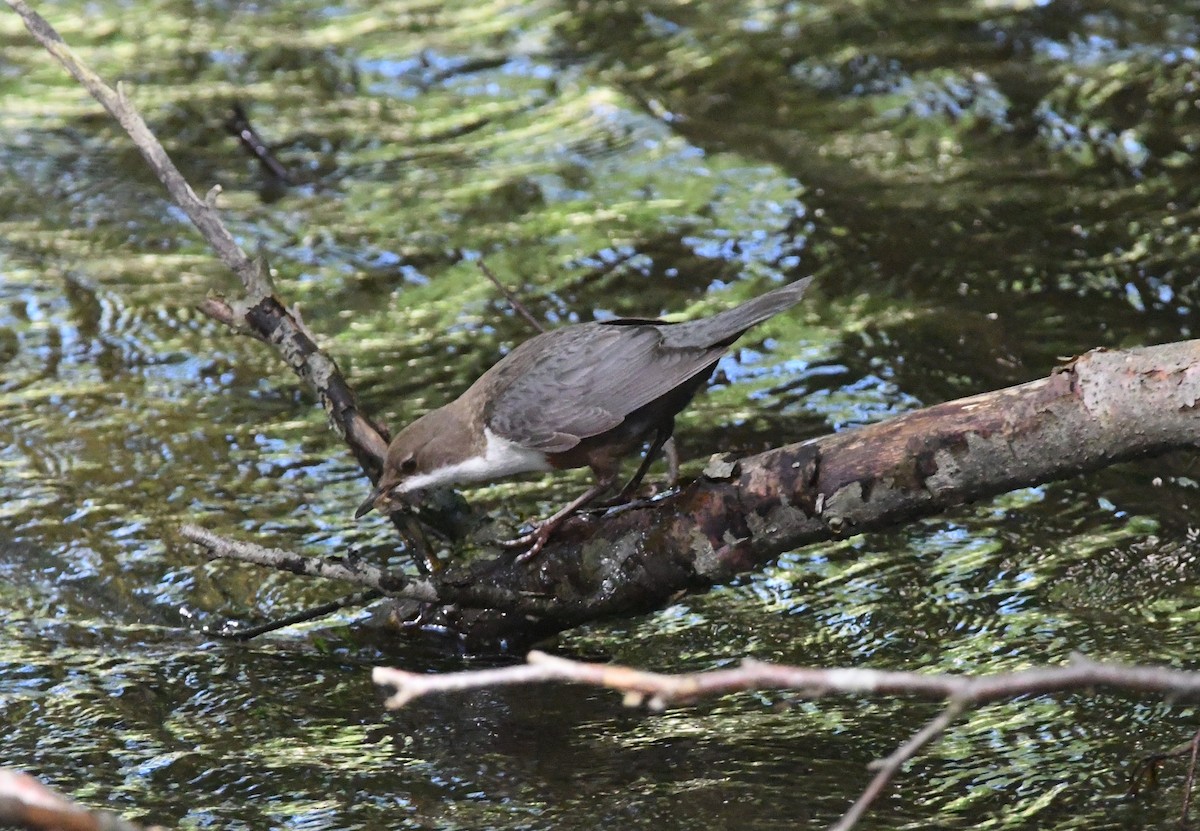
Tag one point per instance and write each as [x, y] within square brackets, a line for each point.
[1101, 408]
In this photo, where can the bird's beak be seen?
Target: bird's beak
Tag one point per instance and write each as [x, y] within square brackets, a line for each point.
[368, 504]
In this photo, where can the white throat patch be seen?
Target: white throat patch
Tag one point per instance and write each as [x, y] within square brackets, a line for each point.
[500, 458]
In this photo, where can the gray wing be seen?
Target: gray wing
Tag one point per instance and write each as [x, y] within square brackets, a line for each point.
[585, 380]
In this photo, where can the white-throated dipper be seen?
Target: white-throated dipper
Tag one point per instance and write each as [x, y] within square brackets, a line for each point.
[588, 394]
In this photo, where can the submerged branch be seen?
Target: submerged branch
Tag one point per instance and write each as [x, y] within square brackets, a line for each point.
[236, 632]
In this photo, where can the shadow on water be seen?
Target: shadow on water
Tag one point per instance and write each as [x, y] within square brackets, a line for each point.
[980, 189]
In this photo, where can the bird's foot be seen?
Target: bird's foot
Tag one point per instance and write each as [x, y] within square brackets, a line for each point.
[541, 531]
[533, 542]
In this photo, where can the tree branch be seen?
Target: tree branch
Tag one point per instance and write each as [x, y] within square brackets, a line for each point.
[1098, 409]
[657, 691]
[886, 769]
[260, 312]
[346, 569]
[350, 569]
[1101, 408]
[27, 803]
[197, 210]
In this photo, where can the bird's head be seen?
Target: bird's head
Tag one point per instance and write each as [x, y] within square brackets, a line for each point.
[414, 460]
[390, 494]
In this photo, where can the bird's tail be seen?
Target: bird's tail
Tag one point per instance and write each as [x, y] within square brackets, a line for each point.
[725, 327]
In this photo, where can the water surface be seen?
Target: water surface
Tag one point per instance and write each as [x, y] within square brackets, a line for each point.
[981, 189]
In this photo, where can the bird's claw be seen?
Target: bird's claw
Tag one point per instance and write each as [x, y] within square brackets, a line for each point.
[533, 542]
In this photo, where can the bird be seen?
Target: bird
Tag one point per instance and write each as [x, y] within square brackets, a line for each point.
[582, 395]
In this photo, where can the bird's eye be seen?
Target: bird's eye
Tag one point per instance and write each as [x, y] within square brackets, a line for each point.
[409, 465]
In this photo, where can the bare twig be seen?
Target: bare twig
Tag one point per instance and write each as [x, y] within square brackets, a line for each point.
[1190, 782]
[219, 310]
[657, 690]
[886, 769]
[350, 569]
[347, 569]
[230, 631]
[119, 107]
[260, 311]
[1145, 771]
[512, 299]
[27, 803]
[963, 692]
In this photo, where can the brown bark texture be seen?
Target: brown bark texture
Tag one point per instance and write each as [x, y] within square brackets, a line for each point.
[1100, 408]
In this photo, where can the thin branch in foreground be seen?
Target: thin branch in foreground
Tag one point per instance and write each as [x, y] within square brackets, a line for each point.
[962, 692]
[657, 690]
[27, 803]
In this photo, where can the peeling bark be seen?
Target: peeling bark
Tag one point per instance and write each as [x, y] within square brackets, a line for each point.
[1101, 408]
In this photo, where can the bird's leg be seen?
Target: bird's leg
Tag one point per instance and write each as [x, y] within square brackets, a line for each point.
[543, 529]
[671, 452]
[662, 437]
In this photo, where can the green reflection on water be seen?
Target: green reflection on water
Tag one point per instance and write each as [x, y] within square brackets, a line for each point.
[981, 188]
